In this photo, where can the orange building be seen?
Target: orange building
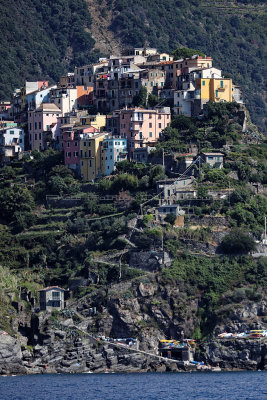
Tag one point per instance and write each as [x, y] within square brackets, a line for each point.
[84, 95]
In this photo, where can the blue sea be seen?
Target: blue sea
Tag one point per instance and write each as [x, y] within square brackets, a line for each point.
[143, 386]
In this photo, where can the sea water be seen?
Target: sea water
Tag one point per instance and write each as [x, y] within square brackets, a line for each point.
[143, 386]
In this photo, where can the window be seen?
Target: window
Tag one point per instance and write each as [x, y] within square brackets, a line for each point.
[89, 153]
[47, 126]
[150, 116]
[111, 157]
[90, 163]
[81, 153]
[141, 135]
[159, 125]
[161, 83]
[210, 158]
[68, 144]
[85, 154]
[75, 144]
[216, 93]
[11, 132]
[30, 126]
[221, 84]
[151, 83]
[150, 124]
[84, 143]
[35, 125]
[40, 136]
[68, 154]
[150, 134]
[89, 143]
[203, 83]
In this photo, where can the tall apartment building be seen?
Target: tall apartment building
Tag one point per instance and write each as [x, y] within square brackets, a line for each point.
[115, 150]
[42, 121]
[92, 162]
[142, 127]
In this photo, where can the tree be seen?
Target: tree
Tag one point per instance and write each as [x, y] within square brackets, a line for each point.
[237, 242]
[171, 218]
[184, 52]
[15, 199]
[140, 99]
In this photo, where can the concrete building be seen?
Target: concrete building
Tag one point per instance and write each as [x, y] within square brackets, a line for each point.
[42, 121]
[215, 160]
[92, 163]
[70, 142]
[36, 98]
[65, 99]
[192, 93]
[4, 107]
[186, 65]
[11, 144]
[167, 188]
[142, 127]
[113, 123]
[31, 87]
[52, 298]
[115, 150]
[98, 121]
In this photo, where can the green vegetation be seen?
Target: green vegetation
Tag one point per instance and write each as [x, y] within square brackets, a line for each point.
[228, 32]
[42, 40]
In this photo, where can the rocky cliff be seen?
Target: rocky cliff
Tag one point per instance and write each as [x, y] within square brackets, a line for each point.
[143, 308]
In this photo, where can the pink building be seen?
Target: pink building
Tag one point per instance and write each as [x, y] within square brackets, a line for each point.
[71, 144]
[42, 121]
[142, 127]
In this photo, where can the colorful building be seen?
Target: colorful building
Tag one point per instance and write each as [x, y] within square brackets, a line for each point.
[142, 127]
[92, 163]
[85, 95]
[115, 150]
[70, 139]
[98, 121]
[42, 121]
[36, 98]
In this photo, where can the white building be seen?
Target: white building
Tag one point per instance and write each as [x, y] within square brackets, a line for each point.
[65, 99]
[115, 150]
[11, 143]
[186, 97]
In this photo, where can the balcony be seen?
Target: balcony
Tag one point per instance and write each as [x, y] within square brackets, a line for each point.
[137, 118]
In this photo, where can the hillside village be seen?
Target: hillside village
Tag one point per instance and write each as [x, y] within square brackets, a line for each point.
[133, 197]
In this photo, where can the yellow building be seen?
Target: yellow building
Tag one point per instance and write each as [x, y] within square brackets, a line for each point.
[92, 161]
[98, 121]
[214, 89]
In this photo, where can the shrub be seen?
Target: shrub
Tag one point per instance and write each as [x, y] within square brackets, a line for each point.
[237, 242]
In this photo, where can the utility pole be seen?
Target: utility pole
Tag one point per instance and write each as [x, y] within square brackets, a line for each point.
[265, 230]
[163, 160]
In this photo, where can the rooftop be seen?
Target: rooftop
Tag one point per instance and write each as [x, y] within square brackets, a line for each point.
[51, 288]
[213, 154]
[48, 107]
